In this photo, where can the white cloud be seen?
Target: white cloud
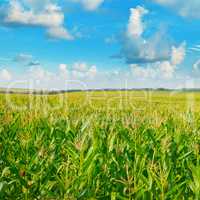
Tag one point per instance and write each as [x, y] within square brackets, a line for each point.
[63, 67]
[80, 66]
[59, 32]
[183, 8]
[63, 71]
[92, 72]
[135, 25]
[83, 70]
[49, 16]
[178, 54]
[152, 56]
[89, 5]
[138, 49]
[92, 4]
[79, 71]
[39, 73]
[143, 73]
[77, 75]
[167, 70]
[152, 75]
[164, 69]
[5, 75]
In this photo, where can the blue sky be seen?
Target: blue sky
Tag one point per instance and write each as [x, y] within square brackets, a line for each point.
[99, 43]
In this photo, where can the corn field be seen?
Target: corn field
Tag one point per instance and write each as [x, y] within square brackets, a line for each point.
[100, 145]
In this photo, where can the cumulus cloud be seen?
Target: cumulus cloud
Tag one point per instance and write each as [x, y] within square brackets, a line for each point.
[59, 32]
[89, 5]
[135, 25]
[80, 66]
[63, 67]
[164, 69]
[141, 72]
[183, 8]
[177, 57]
[92, 72]
[5, 75]
[156, 70]
[142, 50]
[178, 54]
[49, 16]
[152, 56]
[63, 70]
[138, 49]
[40, 77]
[39, 73]
[78, 71]
[83, 70]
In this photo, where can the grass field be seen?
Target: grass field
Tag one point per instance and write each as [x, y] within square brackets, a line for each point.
[100, 145]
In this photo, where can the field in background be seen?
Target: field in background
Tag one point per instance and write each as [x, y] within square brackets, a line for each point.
[100, 145]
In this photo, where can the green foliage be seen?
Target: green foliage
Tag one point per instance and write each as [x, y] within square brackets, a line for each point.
[99, 147]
